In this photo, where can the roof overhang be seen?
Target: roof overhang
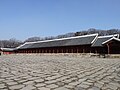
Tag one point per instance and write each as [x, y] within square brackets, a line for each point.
[8, 49]
[95, 38]
[116, 39]
[96, 35]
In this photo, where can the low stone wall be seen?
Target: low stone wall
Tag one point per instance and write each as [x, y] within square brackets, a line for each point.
[114, 55]
[72, 55]
[55, 54]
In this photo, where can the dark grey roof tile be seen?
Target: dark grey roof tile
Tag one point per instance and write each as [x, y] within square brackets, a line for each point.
[101, 39]
[79, 40]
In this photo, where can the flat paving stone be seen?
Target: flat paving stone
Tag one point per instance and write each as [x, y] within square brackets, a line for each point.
[39, 80]
[58, 72]
[83, 86]
[79, 88]
[28, 87]
[87, 83]
[94, 88]
[2, 86]
[69, 86]
[43, 88]
[98, 85]
[74, 83]
[51, 86]
[16, 87]
[61, 88]
[12, 83]
[40, 85]
[28, 82]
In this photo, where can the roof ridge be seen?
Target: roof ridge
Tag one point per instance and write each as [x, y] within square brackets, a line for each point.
[111, 39]
[94, 39]
[63, 38]
[109, 36]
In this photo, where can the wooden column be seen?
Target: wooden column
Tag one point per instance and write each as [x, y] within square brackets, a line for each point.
[83, 50]
[66, 50]
[77, 50]
[46, 51]
[72, 50]
[62, 50]
[57, 50]
[108, 48]
[90, 51]
[49, 51]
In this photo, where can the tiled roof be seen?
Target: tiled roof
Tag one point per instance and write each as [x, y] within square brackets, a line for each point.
[115, 39]
[8, 49]
[101, 39]
[78, 40]
[93, 39]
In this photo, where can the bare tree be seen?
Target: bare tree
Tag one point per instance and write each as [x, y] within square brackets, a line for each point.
[112, 31]
[11, 43]
[32, 39]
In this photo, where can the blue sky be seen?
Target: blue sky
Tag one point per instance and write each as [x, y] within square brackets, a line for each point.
[22, 19]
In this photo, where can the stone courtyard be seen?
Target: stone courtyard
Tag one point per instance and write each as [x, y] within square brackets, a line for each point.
[58, 72]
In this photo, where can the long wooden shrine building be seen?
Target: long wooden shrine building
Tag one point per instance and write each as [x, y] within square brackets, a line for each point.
[80, 44]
